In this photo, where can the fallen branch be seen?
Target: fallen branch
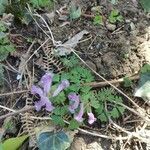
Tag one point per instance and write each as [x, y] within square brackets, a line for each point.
[104, 83]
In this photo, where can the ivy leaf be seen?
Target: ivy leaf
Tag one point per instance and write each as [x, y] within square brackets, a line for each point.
[13, 143]
[3, 4]
[58, 120]
[73, 124]
[53, 141]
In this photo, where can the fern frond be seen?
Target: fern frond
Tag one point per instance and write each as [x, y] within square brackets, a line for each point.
[50, 61]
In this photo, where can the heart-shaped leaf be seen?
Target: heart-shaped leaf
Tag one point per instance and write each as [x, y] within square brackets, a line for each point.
[53, 141]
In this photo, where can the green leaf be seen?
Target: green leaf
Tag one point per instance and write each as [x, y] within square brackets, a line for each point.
[58, 120]
[3, 4]
[53, 141]
[121, 109]
[115, 16]
[127, 82]
[61, 111]
[103, 117]
[59, 99]
[70, 62]
[146, 5]
[56, 78]
[1, 74]
[95, 104]
[114, 113]
[13, 143]
[98, 20]
[73, 124]
[145, 68]
[41, 3]
[75, 12]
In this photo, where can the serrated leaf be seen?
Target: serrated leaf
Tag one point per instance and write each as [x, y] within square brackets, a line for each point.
[56, 78]
[61, 111]
[127, 82]
[53, 141]
[59, 99]
[121, 109]
[114, 113]
[103, 117]
[146, 5]
[1, 74]
[73, 124]
[98, 20]
[95, 104]
[100, 109]
[58, 120]
[13, 143]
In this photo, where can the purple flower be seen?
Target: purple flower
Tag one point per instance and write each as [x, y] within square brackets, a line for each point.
[74, 102]
[91, 119]
[44, 101]
[46, 83]
[64, 84]
[78, 116]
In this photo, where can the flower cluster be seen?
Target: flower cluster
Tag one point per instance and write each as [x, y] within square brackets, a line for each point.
[75, 107]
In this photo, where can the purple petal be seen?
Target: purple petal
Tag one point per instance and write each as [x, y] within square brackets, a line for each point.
[74, 102]
[78, 116]
[46, 82]
[36, 90]
[91, 119]
[44, 101]
[64, 84]
[39, 105]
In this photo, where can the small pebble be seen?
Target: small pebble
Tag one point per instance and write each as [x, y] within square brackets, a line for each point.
[111, 27]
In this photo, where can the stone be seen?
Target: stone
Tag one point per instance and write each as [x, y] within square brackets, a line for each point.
[110, 27]
[78, 144]
[94, 146]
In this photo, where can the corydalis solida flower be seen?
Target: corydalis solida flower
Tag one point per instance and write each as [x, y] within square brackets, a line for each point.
[79, 115]
[46, 83]
[74, 102]
[91, 119]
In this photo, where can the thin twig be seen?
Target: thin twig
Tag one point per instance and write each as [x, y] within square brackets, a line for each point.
[15, 112]
[15, 92]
